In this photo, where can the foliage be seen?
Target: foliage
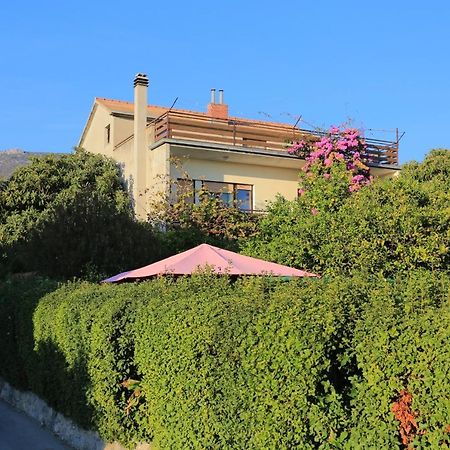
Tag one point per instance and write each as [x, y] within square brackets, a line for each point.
[187, 223]
[401, 344]
[392, 226]
[255, 363]
[345, 148]
[18, 300]
[69, 216]
[356, 360]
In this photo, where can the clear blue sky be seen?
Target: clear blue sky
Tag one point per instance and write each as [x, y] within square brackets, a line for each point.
[383, 64]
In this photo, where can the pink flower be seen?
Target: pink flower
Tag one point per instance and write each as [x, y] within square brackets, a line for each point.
[327, 176]
[328, 162]
[339, 156]
[325, 144]
[296, 147]
[334, 130]
[300, 192]
[358, 178]
[314, 211]
[342, 145]
[351, 132]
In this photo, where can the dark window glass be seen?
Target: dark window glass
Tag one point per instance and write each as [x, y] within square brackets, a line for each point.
[108, 134]
[244, 199]
[239, 195]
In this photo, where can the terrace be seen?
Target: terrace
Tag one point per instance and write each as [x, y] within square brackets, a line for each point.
[255, 134]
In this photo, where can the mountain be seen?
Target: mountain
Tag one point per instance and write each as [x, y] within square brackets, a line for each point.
[13, 158]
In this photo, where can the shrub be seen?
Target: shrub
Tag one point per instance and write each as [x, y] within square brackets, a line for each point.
[391, 226]
[402, 347]
[71, 216]
[208, 362]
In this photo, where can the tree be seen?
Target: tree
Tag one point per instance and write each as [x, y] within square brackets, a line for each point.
[388, 227]
[69, 215]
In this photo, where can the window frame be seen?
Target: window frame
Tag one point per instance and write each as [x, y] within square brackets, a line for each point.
[108, 134]
[198, 184]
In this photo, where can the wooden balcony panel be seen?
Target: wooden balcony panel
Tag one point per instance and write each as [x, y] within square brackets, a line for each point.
[255, 135]
[194, 137]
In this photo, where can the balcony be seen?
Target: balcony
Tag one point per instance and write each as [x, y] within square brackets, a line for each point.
[254, 134]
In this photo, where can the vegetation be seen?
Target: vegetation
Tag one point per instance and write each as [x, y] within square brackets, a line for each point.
[346, 362]
[392, 226]
[355, 359]
[187, 224]
[69, 216]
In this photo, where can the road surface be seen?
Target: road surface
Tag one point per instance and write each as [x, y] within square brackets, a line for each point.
[19, 432]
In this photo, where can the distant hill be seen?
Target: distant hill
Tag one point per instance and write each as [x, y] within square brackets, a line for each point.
[14, 158]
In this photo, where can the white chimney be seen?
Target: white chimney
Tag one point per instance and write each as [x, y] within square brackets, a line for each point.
[140, 140]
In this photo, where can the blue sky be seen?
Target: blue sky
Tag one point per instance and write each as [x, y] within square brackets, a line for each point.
[383, 64]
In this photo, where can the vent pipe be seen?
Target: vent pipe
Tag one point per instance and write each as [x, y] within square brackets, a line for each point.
[220, 96]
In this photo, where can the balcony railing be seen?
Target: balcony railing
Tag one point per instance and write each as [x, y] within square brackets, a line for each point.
[254, 134]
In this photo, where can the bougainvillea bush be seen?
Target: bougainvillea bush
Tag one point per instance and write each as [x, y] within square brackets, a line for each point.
[345, 148]
[388, 226]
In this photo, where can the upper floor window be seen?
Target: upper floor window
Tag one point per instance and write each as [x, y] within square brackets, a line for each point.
[231, 194]
[108, 134]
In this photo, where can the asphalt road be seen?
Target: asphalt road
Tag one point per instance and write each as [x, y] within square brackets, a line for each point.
[19, 432]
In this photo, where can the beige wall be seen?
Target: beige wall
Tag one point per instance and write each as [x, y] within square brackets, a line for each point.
[158, 175]
[266, 181]
[122, 128]
[95, 138]
[267, 175]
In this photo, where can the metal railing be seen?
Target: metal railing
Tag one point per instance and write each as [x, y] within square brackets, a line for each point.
[254, 134]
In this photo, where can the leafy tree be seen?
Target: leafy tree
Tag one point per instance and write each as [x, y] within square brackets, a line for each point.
[392, 225]
[69, 216]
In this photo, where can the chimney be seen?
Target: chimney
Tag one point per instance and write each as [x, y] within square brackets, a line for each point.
[217, 110]
[140, 141]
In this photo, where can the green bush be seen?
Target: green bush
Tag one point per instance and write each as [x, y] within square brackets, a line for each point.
[402, 344]
[391, 226]
[209, 362]
[18, 300]
[252, 365]
[71, 216]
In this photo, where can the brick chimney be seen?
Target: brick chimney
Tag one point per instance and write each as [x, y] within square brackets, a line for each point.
[217, 110]
[140, 139]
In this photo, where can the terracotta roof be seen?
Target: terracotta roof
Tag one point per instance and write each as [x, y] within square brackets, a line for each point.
[155, 111]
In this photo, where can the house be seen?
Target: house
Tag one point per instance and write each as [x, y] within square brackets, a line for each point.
[239, 159]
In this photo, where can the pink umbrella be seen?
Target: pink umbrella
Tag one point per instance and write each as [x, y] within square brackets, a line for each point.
[221, 261]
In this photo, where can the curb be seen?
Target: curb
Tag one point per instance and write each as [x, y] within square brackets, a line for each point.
[36, 408]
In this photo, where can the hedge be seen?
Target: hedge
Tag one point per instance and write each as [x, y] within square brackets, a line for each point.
[253, 363]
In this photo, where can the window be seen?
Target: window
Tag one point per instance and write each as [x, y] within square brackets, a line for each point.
[232, 194]
[108, 134]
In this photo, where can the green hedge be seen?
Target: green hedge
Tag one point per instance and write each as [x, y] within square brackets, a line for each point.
[255, 363]
[402, 343]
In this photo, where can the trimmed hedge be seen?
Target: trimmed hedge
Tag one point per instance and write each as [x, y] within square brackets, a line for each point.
[402, 346]
[253, 363]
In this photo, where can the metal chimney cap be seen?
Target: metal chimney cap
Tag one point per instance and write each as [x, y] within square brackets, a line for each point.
[213, 96]
[141, 79]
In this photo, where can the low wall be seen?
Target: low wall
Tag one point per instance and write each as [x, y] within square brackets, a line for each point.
[65, 429]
